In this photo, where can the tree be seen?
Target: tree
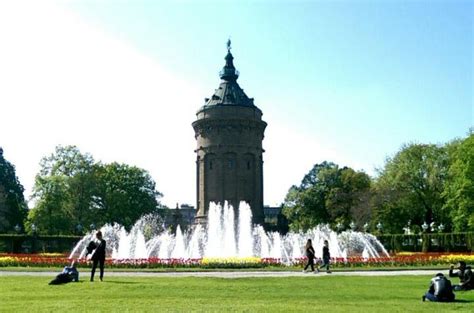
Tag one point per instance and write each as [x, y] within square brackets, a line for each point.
[327, 194]
[63, 192]
[71, 190]
[459, 187]
[52, 213]
[13, 208]
[125, 193]
[409, 187]
[348, 198]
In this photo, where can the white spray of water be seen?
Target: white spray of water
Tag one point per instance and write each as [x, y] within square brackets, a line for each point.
[226, 236]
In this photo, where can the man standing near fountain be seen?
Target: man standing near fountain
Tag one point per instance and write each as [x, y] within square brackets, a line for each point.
[98, 256]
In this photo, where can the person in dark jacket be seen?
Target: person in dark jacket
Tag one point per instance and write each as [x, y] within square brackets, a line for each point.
[68, 275]
[98, 256]
[465, 276]
[326, 257]
[309, 251]
[440, 290]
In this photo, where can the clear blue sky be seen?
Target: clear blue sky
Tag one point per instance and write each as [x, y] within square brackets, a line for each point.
[362, 75]
[344, 81]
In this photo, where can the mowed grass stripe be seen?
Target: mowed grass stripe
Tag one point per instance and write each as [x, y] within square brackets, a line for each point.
[184, 294]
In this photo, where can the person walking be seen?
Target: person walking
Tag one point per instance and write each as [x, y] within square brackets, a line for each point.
[98, 256]
[326, 257]
[309, 250]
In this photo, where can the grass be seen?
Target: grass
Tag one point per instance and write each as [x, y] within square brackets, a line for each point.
[315, 293]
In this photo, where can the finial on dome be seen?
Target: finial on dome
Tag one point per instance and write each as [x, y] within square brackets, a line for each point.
[228, 45]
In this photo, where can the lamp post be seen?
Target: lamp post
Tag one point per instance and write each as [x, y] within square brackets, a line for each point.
[17, 228]
[34, 229]
[366, 227]
[339, 226]
[379, 227]
[92, 226]
[407, 229]
[352, 225]
[441, 228]
[424, 227]
[79, 228]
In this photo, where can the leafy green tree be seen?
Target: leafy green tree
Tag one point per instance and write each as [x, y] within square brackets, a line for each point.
[125, 193]
[347, 197]
[13, 208]
[52, 214]
[63, 192]
[459, 187]
[72, 190]
[327, 194]
[409, 187]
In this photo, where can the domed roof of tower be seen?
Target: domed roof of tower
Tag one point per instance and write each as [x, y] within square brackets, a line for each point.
[229, 91]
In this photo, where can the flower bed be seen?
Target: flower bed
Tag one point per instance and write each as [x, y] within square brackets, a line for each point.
[399, 260]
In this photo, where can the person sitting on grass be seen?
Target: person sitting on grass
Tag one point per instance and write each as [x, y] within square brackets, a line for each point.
[68, 275]
[326, 257]
[465, 276]
[440, 290]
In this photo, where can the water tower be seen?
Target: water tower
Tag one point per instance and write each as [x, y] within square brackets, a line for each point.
[229, 132]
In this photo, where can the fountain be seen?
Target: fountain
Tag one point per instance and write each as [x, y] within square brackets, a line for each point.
[226, 237]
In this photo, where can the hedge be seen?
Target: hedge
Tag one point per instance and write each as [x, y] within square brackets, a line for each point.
[429, 242]
[13, 243]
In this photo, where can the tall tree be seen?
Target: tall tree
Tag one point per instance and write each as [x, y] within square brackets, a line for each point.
[409, 187]
[71, 190]
[459, 187]
[125, 193]
[13, 208]
[327, 194]
[63, 192]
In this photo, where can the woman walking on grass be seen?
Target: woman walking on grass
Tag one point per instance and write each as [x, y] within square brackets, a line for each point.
[310, 255]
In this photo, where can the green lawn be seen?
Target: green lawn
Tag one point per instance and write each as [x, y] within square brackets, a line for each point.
[324, 293]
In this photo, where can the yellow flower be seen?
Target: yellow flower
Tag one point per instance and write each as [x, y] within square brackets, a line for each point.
[51, 254]
[6, 260]
[455, 258]
[231, 260]
[405, 253]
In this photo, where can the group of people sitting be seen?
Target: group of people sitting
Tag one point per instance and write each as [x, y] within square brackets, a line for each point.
[441, 289]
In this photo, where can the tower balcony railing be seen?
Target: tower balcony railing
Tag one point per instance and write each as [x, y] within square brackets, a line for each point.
[229, 72]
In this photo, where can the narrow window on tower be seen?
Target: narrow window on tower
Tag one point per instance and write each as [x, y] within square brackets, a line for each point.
[231, 164]
[210, 165]
[248, 165]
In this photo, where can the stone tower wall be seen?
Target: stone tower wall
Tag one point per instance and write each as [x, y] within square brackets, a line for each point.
[229, 161]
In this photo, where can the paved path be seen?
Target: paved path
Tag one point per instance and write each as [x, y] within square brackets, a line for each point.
[234, 274]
